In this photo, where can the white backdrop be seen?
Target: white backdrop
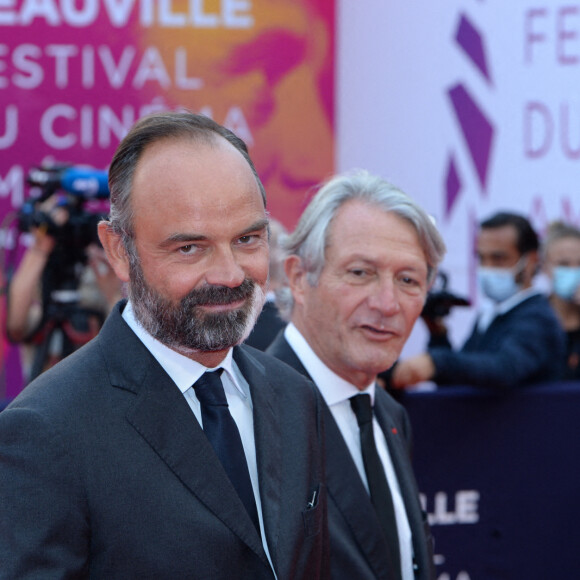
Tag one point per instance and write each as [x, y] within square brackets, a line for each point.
[513, 69]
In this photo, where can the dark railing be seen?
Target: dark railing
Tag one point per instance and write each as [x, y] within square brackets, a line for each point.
[500, 479]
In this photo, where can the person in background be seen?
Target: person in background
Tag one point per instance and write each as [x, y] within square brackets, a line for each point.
[359, 265]
[161, 448]
[561, 263]
[49, 330]
[269, 322]
[517, 339]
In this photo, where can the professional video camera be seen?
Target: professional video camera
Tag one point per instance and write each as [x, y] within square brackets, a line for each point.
[79, 184]
[440, 301]
[61, 278]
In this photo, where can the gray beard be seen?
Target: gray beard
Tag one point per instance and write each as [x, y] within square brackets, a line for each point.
[185, 327]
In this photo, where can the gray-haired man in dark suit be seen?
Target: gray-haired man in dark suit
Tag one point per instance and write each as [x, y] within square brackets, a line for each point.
[359, 265]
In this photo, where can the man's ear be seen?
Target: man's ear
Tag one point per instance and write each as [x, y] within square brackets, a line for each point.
[115, 250]
[296, 277]
[534, 264]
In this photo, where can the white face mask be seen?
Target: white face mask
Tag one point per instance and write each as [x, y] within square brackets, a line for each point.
[566, 281]
[499, 284]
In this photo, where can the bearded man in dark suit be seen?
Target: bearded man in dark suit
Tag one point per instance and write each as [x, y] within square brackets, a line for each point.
[129, 459]
[359, 265]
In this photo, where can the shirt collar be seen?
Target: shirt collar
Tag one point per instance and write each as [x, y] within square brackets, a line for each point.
[183, 371]
[490, 310]
[513, 301]
[334, 389]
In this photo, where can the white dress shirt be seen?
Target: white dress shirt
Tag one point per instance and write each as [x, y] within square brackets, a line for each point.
[185, 372]
[336, 393]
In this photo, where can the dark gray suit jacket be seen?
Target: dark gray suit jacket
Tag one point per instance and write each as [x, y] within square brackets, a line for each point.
[106, 474]
[358, 548]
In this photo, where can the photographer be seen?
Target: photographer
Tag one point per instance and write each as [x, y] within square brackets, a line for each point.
[49, 331]
[517, 340]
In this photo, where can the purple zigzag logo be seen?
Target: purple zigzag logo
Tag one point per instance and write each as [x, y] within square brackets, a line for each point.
[469, 39]
[452, 185]
[478, 131]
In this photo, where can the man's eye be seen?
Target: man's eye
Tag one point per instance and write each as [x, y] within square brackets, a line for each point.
[412, 283]
[188, 249]
[245, 240]
[359, 273]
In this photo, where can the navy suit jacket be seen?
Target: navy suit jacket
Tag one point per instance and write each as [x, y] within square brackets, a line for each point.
[105, 473]
[525, 345]
[358, 548]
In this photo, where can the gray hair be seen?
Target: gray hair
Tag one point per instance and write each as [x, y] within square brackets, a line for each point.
[310, 238]
[558, 230]
[277, 234]
[148, 130]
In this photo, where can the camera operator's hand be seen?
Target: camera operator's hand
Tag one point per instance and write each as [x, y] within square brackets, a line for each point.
[56, 214]
[435, 325]
[414, 370]
[43, 243]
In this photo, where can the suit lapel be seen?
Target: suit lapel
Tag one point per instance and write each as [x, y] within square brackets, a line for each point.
[161, 415]
[345, 486]
[351, 498]
[284, 352]
[269, 449]
[163, 418]
[401, 462]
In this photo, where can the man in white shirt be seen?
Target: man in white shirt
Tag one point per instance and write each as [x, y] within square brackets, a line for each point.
[359, 265]
[160, 449]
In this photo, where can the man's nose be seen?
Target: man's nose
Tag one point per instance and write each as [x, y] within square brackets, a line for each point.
[385, 298]
[223, 269]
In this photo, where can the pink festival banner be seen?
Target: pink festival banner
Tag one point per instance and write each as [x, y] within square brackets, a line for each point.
[76, 74]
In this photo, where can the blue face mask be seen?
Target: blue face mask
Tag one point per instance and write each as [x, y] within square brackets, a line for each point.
[566, 281]
[499, 284]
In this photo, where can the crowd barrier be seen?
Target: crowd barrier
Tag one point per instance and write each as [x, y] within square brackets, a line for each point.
[499, 476]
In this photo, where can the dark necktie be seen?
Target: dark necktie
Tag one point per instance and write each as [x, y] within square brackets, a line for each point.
[223, 434]
[379, 488]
